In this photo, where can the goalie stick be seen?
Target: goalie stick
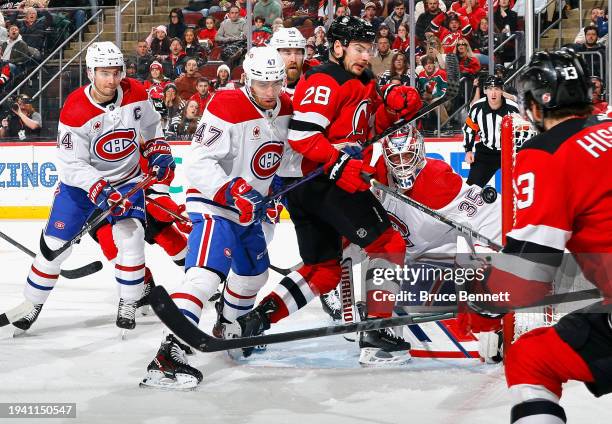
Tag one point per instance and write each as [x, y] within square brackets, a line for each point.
[52, 254]
[71, 274]
[173, 318]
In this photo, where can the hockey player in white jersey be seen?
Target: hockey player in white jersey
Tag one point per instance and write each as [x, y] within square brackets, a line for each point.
[234, 154]
[103, 126]
[430, 244]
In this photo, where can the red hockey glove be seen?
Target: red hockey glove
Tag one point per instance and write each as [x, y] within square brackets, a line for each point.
[105, 196]
[273, 212]
[158, 213]
[403, 100]
[184, 225]
[346, 172]
[248, 201]
[159, 155]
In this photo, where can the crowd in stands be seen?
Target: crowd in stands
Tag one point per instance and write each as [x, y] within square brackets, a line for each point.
[200, 48]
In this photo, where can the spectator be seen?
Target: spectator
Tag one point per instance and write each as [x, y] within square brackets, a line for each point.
[433, 49]
[186, 83]
[193, 48]
[432, 83]
[340, 11]
[599, 104]
[232, 28]
[480, 41]
[76, 14]
[15, 51]
[177, 26]
[596, 60]
[130, 69]
[261, 33]
[456, 28]
[173, 105]
[384, 31]
[596, 12]
[321, 44]
[471, 10]
[422, 7]
[311, 50]
[23, 121]
[397, 17]
[158, 42]
[268, 9]
[423, 22]
[223, 79]
[402, 42]
[398, 69]
[183, 126]
[206, 36]
[468, 63]
[155, 84]
[33, 32]
[175, 61]
[142, 59]
[382, 60]
[202, 94]
[3, 30]
[370, 15]
[505, 18]
[277, 24]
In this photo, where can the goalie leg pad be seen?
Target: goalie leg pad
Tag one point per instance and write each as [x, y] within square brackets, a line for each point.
[529, 362]
[130, 262]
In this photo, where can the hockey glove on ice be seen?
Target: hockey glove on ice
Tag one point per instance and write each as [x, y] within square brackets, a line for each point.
[247, 200]
[346, 172]
[403, 100]
[105, 196]
[159, 155]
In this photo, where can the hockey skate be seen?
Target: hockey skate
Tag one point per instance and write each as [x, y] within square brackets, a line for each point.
[126, 315]
[143, 303]
[24, 324]
[331, 304]
[219, 328]
[382, 348]
[170, 369]
[253, 323]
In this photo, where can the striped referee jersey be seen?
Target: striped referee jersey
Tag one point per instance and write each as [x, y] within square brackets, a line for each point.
[486, 122]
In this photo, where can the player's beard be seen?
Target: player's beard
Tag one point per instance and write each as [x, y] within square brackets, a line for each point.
[293, 74]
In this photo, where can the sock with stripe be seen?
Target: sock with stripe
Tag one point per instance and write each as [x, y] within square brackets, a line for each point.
[44, 273]
[199, 285]
[240, 293]
[130, 261]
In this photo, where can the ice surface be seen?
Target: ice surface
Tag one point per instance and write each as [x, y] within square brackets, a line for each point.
[73, 354]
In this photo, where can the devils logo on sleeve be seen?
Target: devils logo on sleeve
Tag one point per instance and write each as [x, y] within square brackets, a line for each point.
[360, 121]
[116, 145]
[267, 159]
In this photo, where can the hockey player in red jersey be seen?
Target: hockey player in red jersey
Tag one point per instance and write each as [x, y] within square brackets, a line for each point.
[333, 107]
[563, 185]
[102, 128]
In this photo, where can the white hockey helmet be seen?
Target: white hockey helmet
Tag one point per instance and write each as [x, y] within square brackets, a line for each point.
[263, 64]
[288, 38]
[103, 54]
[404, 153]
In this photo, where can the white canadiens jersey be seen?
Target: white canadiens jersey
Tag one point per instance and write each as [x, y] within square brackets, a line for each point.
[97, 142]
[441, 189]
[234, 139]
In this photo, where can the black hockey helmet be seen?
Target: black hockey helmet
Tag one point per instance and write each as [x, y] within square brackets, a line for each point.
[349, 28]
[493, 81]
[556, 79]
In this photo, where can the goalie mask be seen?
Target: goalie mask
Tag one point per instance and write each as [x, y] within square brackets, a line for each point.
[404, 153]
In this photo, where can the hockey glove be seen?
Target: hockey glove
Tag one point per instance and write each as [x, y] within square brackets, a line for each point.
[159, 155]
[346, 172]
[185, 225]
[105, 196]
[403, 100]
[163, 216]
[247, 200]
[273, 211]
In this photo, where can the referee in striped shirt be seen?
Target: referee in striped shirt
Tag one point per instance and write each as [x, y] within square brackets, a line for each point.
[485, 119]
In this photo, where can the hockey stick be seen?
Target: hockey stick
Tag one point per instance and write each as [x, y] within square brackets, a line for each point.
[16, 313]
[286, 271]
[71, 274]
[457, 226]
[165, 209]
[52, 254]
[173, 318]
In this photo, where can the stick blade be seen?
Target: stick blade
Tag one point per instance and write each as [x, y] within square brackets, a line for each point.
[83, 271]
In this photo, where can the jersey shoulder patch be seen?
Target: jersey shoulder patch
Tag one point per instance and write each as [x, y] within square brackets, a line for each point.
[78, 109]
[133, 91]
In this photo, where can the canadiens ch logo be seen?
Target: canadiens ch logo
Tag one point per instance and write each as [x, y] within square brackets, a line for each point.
[116, 145]
[59, 225]
[227, 252]
[401, 227]
[266, 159]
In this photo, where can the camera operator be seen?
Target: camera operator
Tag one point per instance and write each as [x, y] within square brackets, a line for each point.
[22, 121]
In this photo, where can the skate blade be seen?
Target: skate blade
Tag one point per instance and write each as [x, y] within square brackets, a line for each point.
[123, 333]
[18, 333]
[157, 380]
[146, 310]
[372, 357]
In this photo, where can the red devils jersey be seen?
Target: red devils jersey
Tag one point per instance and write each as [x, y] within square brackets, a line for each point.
[564, 201]
[332, 107]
